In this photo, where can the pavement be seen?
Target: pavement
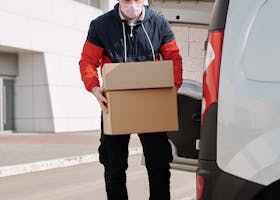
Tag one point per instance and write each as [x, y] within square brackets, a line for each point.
[22, 153]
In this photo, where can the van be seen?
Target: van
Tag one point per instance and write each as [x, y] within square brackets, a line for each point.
[189, 21]
[239, 134]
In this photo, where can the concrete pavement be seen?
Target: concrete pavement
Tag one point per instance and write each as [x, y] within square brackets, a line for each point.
[29, 152]
[24, 153]
[86, 182]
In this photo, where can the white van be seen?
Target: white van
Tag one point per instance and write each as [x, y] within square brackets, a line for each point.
[240, 135]
[239, 157]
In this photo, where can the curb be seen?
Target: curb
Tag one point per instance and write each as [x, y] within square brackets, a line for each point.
[56, 163]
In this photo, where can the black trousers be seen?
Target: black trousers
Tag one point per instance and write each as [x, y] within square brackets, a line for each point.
[113, 154]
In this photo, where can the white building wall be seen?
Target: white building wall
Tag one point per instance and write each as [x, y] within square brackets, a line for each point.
[48, 35]
[33, 109]
[109, 4]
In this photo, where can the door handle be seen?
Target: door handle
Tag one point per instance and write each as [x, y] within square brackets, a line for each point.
[196, 117]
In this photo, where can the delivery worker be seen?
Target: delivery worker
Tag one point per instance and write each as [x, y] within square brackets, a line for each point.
[131, 32]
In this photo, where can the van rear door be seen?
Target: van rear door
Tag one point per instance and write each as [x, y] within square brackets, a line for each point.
[189, 21]
[185, 141]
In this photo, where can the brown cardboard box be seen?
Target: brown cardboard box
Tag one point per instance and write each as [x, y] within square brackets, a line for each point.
[136, 75]
[140, 111]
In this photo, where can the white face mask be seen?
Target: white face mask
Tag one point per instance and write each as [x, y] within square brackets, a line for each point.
[132, 10]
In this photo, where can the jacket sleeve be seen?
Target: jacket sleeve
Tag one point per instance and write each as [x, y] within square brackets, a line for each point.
[90, 59]
[169, 51]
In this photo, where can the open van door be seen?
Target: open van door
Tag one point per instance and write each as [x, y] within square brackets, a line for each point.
[185, 141]
[189, 20]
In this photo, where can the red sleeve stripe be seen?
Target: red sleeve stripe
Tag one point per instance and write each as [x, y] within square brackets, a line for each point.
[90, 60]
[170, 51]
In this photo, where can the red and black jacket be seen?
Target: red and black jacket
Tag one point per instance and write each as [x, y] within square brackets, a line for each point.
[111, 39]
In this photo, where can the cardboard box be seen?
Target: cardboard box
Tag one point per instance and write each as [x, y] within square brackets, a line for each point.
[140, 111]
[136, 75]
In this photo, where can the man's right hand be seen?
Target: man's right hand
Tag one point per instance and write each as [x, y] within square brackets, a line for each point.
[98, 92]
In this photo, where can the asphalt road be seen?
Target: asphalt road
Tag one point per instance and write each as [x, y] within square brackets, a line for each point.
[85, 182]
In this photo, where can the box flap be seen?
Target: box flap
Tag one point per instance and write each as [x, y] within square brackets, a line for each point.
[138, 75]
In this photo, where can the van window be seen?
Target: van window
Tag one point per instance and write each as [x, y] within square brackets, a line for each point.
[261, 56]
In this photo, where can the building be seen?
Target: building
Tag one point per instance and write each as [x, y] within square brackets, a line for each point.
[40, 46]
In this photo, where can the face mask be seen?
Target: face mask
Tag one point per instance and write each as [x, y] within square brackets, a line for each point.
[132, 10]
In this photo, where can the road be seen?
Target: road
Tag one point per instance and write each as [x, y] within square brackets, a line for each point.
[85, 182]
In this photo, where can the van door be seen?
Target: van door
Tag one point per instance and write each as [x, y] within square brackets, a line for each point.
[189, 21]
[185, 141]
[191, 41]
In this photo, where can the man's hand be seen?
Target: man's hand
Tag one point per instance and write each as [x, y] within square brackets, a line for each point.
[98, 92]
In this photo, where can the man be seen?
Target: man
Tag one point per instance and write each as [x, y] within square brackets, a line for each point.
[131, 32]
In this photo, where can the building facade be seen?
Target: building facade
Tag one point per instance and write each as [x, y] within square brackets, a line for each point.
[40, 47]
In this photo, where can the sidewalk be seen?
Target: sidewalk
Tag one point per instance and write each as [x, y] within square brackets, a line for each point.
[29, 152]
